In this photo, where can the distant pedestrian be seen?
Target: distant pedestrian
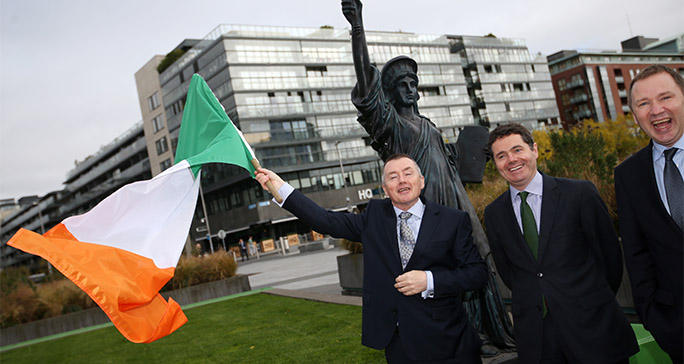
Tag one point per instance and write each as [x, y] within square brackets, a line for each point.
[252, 246]
[243, 250]
[197, 250]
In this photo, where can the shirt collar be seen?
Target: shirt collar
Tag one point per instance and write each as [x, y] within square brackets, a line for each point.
[659, 150]
[416, 210]
[535, 187]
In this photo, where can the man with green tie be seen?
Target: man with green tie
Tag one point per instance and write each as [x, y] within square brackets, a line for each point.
[554, 246]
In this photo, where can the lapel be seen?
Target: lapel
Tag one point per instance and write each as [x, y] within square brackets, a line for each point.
[428, 226]
[389, 220]
[648, 183]
[550, 197]
[511, 224]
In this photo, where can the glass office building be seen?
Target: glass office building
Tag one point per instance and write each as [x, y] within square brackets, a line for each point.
[289, 91]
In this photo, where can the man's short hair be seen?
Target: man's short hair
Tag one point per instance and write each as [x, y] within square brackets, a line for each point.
[505, 130]
[399, 156]
[651, 70]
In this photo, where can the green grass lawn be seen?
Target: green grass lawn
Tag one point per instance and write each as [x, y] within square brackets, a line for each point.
[257, 328]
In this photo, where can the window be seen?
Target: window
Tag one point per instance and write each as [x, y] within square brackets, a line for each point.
[316, 71]
[153, 101]
[162, 145]
[165, 164]
[177, 107]
[157, 123]
[428, 91]
[283, 130]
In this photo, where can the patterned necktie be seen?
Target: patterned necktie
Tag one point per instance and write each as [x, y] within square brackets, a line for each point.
[674, 188]
[529, 224]
[406, 241]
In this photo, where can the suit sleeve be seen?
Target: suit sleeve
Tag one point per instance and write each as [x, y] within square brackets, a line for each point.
[469, 272]
[597, 227]
[503, 264]
[642, 270]
[338, 224]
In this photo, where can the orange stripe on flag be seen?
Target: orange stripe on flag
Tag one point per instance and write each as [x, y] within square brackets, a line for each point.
[125, 285]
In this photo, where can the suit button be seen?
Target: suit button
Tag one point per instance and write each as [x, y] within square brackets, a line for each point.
[394, 311]
[540, 274]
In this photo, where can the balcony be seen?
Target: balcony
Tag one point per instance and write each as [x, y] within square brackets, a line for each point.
[477, 103]
[582, 114]
[575, 83]
[579, 99]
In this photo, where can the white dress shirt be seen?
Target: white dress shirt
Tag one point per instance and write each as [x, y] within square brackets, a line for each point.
[534, 199]
[659, 166]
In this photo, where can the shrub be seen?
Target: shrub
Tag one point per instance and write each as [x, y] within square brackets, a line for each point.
[63, 296]
[22, 305]
[22, 301]
[197, 270]
[483, 194]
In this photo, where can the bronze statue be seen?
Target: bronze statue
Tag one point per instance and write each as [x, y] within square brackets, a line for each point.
[388, 110]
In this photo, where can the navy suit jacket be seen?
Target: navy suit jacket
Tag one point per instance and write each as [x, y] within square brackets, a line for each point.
[654, 246]
[431, 329]
[578, 271]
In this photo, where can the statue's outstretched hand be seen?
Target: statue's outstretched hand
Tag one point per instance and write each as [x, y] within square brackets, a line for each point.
[352, 11]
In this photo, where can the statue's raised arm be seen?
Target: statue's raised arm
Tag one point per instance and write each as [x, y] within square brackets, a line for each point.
[362, 65]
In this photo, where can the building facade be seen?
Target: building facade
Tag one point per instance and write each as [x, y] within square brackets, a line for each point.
[122, 161]
[505, 82]
[288, 90]
[594, 84]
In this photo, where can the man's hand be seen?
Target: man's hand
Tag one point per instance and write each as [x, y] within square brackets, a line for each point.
[264, 175]
[410, 283]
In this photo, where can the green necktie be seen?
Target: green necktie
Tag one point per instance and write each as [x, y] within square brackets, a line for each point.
[531, 235]
[529, 225]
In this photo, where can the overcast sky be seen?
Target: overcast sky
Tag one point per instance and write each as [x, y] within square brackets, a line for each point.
[67, 67]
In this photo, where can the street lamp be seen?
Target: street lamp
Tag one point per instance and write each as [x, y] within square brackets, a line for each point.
[344, 180]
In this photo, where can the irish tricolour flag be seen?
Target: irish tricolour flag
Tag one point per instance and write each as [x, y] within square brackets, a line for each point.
[126, 248]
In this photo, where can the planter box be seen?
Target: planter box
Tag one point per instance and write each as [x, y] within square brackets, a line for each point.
[350, 269]
[95, 316]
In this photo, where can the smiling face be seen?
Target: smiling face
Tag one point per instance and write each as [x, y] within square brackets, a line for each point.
[658, 107]
[515, 160]
[402, 182]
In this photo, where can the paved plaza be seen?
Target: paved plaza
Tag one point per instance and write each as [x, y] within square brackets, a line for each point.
[310, 272]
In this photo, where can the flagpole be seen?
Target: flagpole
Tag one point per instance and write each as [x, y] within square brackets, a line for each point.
[269, 184]
[206, 218]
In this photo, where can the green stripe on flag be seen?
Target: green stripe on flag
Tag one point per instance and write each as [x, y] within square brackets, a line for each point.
[207, 135]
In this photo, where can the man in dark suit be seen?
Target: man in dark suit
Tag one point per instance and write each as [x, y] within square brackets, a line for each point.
[418, 258]
[651, 208]
[554, 245]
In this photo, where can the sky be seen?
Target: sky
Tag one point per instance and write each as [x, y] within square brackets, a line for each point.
[67, 67]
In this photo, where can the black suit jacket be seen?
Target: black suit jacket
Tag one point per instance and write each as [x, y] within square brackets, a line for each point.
[653, 246]
[431, 329]
[578, 270]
